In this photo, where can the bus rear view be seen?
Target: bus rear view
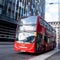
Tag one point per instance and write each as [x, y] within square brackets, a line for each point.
[25, 35]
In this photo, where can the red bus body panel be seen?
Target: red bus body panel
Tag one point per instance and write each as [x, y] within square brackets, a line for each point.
[24, 47]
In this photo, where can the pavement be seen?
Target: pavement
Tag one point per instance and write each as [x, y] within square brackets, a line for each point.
[45, 55]
[55, 56]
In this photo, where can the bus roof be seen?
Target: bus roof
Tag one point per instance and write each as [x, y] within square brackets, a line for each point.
[29, 20]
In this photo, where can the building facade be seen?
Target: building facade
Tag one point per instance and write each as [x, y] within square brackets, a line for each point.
[31, 7]
[21, 8]
[56, 26]
[8, 19]
[8, 8]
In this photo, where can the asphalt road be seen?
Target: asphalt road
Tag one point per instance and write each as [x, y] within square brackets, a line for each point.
[56, 56]
[7, 53]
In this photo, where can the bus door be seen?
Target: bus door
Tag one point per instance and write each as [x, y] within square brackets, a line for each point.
[38, 42]
[46, 43]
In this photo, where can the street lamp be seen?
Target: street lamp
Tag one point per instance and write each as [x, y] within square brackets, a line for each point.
[53, 3]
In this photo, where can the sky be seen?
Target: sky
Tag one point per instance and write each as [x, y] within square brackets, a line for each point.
[51, 11]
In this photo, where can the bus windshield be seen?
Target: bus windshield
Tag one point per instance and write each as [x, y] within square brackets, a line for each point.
[26, 29]
[28, 39]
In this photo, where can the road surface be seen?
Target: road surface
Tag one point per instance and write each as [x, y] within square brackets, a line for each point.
[7, 53]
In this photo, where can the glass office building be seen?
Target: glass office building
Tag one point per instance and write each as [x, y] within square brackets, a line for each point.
[31, 7]
[20, 8]
[8, 8]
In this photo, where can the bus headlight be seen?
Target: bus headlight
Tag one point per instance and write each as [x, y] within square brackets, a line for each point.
[35, 33]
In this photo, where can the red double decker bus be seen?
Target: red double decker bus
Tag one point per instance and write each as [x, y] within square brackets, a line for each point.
[34, 35]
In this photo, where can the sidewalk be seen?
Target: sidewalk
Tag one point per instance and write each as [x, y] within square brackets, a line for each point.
[6, 43]
[55, 56]
[45, 55]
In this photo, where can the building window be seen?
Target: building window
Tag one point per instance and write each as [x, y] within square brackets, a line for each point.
[0, 10]
[9, 14]
[16, 15]
[1, 2]
[11, 1]
[13, 7]
[20, 0]
[12, 14]
[17, 5]
[14, 1]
